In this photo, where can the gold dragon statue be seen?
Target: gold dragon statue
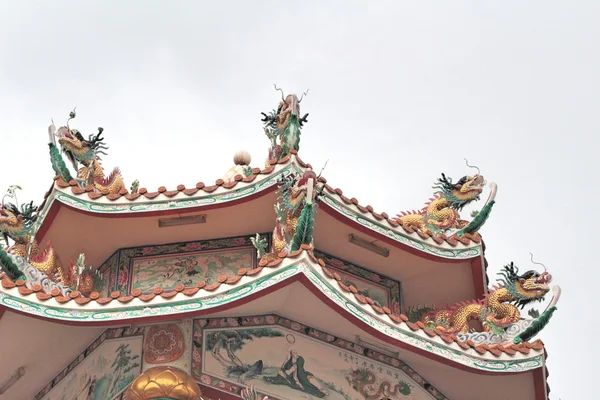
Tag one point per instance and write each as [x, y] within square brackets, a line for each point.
[84, 155]
[496, 311]
[441, 213]
[18, 225]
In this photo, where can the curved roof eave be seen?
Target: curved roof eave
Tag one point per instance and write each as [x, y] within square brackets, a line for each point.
[261, 182]
[228, 293]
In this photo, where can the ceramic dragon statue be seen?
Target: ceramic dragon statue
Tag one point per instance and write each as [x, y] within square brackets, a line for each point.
[497, 310]
[295, 210]
[441, 213]
[283, 125]
[84, 155]
[18, 225]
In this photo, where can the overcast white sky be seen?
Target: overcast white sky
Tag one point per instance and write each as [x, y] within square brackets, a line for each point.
[399, 92]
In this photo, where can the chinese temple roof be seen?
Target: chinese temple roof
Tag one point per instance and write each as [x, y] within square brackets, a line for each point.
[181, 292]
[37, 283]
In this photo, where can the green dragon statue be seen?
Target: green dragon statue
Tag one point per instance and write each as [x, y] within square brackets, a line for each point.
[283, 126]
[295, 210]
[84, 155]
[497, 310]
[441, 213]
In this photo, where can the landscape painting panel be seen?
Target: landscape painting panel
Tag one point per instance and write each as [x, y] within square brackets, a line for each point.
[286, 364]
[103, 374]
[187, 269]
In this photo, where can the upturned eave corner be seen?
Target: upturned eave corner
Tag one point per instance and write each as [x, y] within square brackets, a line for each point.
[301, 266]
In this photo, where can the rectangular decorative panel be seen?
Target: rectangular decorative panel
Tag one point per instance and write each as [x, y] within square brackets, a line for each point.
[383, 290]
[170, 265]
[103, 371]
[286, 360]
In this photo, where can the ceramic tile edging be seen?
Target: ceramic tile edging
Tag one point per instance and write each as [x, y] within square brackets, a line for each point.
[160, 298]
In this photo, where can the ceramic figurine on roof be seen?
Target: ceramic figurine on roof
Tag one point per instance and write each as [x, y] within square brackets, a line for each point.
[241, 160]
[84, 156]
[441, 213]
[18, 224]
[499, 309]
[282, 126]
[295, 211]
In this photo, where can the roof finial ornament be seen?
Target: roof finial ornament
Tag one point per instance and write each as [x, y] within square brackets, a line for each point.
[473, 166]
[538, 263]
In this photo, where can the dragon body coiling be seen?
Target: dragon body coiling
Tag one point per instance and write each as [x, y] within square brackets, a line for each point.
[293, 225]
[442, 211]
[18, 226]
[283, 126]
[498, 309]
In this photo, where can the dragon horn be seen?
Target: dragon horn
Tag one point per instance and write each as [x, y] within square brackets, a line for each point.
[473, 166]
[303, 94]
[276, 88]
[538, 263]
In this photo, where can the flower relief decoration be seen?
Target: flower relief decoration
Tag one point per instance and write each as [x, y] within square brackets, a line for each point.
[84, 156]
[441, 213]
[497, 312]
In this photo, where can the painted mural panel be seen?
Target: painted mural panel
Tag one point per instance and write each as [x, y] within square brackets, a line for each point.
[102, 371]
[174, 264]
[188, 269]
[286, 360]
[381, 289]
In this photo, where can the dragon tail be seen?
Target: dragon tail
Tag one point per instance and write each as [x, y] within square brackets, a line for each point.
[535, 327]
[305, 228]
[7, 265]
[58, 164]
[482, 216]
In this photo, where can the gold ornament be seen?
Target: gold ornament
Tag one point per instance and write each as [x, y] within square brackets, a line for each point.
[163, 382]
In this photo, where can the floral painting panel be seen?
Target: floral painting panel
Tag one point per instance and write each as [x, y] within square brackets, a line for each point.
[103, 374]
[285, 363]
[187, 269]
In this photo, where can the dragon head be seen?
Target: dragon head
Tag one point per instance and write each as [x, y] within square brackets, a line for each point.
[15, 223]
[462, 192]
[527, 287]
[77, 148]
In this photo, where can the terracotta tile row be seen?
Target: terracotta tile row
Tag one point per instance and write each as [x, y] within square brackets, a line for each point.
[497, 350]
[439, 239]
[200, 186]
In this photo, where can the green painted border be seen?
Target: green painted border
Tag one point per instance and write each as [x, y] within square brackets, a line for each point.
[174, 204]
[260, 284]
